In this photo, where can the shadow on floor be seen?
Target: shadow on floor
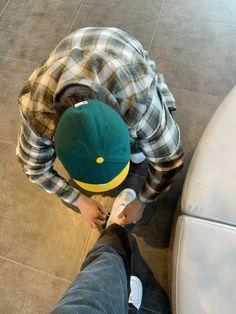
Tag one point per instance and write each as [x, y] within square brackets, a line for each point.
[154, 299]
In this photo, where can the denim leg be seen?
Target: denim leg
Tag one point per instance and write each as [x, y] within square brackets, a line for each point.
[117, 237]
[102, 285]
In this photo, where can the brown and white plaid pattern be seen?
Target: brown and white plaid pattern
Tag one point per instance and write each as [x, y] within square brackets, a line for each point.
[116, 68]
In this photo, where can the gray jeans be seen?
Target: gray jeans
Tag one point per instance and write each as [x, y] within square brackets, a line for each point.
[102, 286]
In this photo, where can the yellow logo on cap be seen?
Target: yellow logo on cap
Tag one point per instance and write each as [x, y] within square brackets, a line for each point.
[100, 160]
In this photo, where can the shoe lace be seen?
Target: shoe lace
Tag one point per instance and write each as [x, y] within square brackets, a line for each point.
[121, 205]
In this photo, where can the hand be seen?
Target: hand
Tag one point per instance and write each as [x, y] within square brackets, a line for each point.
[132, 212]
[93, 213]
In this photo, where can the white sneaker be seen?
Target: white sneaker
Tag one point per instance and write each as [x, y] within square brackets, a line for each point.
[136, 292]
[123, 199]
[137, 158]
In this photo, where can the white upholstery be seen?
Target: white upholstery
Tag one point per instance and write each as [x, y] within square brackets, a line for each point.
[210, 185]
[204, 255]
[204, 263]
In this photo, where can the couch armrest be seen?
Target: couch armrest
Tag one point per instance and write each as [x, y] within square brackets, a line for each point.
[210, 186]
[204, 277]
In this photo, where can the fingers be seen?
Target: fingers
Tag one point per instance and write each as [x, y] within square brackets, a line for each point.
[95, 214]
[128, 217]
[102, 210]
[101, 216]
[99, 220]
[96, 223]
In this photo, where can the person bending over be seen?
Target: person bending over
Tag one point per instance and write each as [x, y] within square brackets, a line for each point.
[97, 93]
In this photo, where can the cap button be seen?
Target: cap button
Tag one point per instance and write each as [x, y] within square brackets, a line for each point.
[100, 160]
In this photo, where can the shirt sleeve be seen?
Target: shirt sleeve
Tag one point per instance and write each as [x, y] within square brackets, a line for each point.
[159, 139]
[36, 156]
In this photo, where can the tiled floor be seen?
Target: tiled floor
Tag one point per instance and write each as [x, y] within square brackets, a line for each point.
[42, 243]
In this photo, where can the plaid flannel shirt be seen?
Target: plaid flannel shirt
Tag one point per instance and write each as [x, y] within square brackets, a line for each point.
[117, 70]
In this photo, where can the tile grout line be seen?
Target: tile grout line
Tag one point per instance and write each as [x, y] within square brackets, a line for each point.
[8, 162]
[4, 8]
[15, 59]
[216, 21]
[155, 29]
[2, 140]
[84, 248]
[35, 269]
[197, 92]
[76, 16]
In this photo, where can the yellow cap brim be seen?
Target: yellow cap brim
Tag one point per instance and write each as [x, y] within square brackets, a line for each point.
[107, 186]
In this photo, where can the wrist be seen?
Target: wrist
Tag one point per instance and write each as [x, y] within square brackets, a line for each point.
[79, 201]
[146, 199]
[139, 203]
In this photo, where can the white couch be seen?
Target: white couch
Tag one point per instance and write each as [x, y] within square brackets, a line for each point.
[204, 252]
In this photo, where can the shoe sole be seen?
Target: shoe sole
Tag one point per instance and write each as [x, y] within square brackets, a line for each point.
[139, 288]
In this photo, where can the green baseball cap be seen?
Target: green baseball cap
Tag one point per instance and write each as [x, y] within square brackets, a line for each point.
[92, 142]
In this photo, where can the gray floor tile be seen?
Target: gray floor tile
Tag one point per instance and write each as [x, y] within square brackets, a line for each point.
[153, 232]
[146, 6]
[194, 110]
[154, 297]
[156, 258]
[3, 4]
[135, 17]
[46, 235]
[29, 30]
[6, 152]
[9, 127]
[92, 239]
[13, 74]
[215, 80]
[196, 55]
[220, 11]
[25, 291]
